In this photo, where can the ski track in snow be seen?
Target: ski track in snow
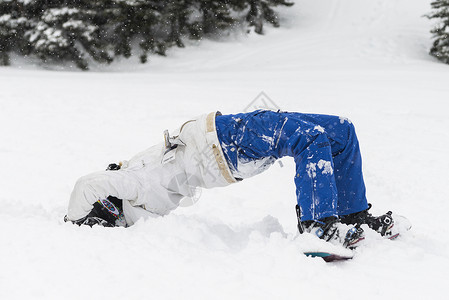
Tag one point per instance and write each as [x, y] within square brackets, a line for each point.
[365, 59]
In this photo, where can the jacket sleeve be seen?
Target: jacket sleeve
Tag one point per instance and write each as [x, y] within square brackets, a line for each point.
[89, 189]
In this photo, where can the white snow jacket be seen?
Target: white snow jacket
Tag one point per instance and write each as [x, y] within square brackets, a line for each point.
[150, 186]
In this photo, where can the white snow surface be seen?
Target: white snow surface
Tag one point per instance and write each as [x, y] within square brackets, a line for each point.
[364, 59]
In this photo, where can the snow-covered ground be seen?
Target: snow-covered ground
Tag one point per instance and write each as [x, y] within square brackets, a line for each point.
[364, 59]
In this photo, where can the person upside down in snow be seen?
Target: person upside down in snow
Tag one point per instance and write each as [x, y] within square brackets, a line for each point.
[216, 150]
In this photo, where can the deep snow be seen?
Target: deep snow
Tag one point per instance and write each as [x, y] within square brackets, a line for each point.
[363, 59]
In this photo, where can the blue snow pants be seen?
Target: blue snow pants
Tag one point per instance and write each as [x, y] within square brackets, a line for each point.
[328, 179]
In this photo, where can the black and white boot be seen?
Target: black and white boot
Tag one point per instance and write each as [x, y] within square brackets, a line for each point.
[388, 225]
[106, 212]
[332, 230]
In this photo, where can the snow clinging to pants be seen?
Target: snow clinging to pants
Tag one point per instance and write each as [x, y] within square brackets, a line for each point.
[324, 165]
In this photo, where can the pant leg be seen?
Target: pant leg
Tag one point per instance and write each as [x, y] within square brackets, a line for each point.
[307, 142]
[346, 160]
[349, 175]
[316, 188]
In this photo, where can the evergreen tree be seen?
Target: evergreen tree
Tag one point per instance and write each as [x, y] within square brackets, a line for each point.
[12, 28]
[81, 30]
[261, 10]
[216, 15]
[440, 48]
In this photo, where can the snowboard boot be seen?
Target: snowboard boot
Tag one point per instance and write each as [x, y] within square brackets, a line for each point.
[105, 212]
[332, 230]
[388, 225]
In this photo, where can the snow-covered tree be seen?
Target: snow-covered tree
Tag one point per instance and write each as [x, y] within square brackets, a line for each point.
[440, 48]
[77, 31]
[53, 31]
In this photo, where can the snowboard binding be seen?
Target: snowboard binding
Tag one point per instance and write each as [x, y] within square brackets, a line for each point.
[387, 225]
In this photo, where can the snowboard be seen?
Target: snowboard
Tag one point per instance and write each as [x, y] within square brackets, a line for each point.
[329, 257]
